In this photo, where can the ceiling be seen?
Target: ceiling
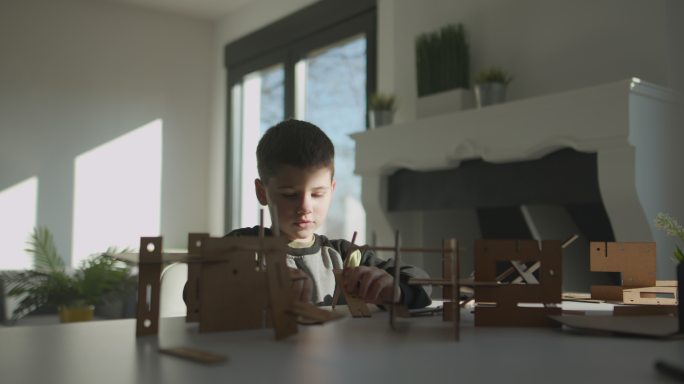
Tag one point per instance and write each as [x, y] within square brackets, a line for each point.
[205, 9]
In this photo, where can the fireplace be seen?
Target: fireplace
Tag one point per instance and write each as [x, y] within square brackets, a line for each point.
[596, 161]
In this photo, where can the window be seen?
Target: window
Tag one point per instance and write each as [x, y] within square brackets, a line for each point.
[316, 65]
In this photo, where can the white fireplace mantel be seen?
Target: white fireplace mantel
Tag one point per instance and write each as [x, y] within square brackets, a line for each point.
[632, 125]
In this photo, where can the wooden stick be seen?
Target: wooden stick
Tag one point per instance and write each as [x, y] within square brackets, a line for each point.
[569, 241]
[409, 250]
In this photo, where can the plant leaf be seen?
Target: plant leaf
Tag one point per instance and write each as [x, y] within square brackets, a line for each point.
[45, 256]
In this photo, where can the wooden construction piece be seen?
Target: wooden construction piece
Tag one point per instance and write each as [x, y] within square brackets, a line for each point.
[518, 304]
[194, 354]
[313, 313]
[636, 263]
[194, 272]
[347, 260]
[606, 293]
[280, 294]
[526, 274]
[453, 309]
[664, 293]
[234, 291]
[357, 307]
[680, 292]
[394, 311]
[149, 275]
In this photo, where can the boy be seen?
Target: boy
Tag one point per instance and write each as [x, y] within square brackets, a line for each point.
[295, 161]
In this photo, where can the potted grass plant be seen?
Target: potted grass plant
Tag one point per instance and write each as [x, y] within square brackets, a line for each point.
[442, 60]
[381, 107]
[74, 294]
[443, 71]
[490, 86]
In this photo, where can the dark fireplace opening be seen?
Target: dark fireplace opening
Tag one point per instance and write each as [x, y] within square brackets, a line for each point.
[516, 200]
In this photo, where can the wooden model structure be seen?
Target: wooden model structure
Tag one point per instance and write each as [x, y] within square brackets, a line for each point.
[449, 280]
[524, 301]
[234, 283]
[636, 263]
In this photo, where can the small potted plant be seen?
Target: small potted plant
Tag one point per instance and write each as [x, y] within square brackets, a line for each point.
[490, 86]
[74, 294]
[381, 107]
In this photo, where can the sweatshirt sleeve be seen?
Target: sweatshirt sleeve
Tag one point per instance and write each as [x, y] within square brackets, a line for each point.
[414, 296]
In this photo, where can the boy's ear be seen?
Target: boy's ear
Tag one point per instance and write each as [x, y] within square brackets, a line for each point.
[260, 189]
[333, 185]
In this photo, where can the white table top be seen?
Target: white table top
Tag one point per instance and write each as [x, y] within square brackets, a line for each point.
[347, 351]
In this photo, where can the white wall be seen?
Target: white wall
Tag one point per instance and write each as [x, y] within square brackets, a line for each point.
[75, 74]
[548, 45]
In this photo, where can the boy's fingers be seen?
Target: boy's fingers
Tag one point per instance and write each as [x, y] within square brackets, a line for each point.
[365, 281]
[378, 286]
[351, 279]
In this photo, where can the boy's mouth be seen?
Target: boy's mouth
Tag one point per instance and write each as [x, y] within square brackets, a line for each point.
[304, 223]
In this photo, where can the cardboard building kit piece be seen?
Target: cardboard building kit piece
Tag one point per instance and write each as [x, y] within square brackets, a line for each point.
[636, 263]
[235, 290]
[664, 293]
[517, 304]
[450, 282]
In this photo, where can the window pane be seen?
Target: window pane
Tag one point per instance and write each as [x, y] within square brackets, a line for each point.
[261, 105]
[333, 80]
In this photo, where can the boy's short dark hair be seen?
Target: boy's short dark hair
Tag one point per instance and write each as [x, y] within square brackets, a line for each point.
[296, 143]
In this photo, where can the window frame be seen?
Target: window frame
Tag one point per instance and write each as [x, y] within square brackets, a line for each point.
[286, 42]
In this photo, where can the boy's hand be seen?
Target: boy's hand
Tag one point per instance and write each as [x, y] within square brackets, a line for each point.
[301, 285]
[372, 284]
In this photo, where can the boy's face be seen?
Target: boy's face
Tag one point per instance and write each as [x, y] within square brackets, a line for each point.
[302, 198]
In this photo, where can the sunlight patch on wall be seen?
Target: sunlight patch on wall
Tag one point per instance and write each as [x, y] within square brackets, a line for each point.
[117, 192]
[18, 205]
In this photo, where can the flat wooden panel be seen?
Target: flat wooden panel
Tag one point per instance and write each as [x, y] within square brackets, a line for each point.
[606, 292]
[192, 292]
[447, 292]
[649, 296]
[280, 295]
[149, 275]
[234, 293]
[636, 262]
[507, 297]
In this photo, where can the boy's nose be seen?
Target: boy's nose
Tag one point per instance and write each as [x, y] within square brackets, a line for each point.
[304, 205]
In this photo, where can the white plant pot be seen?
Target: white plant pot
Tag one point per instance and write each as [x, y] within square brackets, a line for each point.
[489, 93]
[379, 118]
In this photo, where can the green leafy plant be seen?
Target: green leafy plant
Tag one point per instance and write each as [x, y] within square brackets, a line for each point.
[382, 102]
[493, 75]
[100, 278]
[442, 60]
[668, 224]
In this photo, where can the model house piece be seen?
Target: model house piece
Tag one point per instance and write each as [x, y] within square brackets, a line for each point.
[470, 138]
